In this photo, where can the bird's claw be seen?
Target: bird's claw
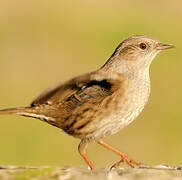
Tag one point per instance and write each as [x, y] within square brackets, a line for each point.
[125, 159]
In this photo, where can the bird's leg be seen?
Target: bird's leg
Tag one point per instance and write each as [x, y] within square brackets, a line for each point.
[124, 157]
[82, 150]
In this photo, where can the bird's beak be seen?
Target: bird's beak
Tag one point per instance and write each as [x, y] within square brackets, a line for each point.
[161, 46]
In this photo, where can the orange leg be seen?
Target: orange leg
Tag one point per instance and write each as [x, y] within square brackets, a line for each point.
[82, 150]
[124, 157]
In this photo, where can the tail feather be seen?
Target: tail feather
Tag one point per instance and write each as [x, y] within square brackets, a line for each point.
[29, 112]
[15, 110]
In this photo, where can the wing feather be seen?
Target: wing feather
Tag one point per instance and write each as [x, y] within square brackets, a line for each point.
[75, 103]
[60, 91]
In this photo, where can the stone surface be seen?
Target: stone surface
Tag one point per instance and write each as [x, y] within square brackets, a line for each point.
[160, 172]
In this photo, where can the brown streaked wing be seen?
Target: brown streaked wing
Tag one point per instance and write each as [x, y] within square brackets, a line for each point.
[59, 92]
[74, 104]
[83, 105]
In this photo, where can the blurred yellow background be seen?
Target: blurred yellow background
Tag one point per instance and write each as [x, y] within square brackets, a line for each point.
[45, 42]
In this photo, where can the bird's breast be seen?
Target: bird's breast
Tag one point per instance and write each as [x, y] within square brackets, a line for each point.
[125, 106]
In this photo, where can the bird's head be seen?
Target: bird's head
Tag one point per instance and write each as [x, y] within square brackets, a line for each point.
[136, 52]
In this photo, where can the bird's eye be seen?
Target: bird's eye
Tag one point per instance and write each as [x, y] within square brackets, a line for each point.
[143, 46]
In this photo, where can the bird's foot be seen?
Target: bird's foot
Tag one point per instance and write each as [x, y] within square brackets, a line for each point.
[125, 159]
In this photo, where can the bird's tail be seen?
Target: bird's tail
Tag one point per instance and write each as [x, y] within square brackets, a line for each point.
[13, 110]
[30, 112]
[24, 111]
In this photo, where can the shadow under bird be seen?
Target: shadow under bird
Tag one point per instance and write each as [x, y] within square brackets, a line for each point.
[101, 102]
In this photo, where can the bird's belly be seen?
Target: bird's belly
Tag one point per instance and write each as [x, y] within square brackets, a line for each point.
[120, 120]
[124, 115]
[113, 123]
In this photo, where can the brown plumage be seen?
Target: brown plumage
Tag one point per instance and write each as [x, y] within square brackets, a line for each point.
[102, 102]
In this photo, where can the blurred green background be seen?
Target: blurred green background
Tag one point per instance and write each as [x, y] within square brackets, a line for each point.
[44, 42]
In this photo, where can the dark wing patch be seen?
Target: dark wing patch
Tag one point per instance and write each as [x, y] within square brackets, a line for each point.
[96, 89]
[103, 84]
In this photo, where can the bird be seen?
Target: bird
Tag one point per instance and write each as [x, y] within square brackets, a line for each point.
[102, 102]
